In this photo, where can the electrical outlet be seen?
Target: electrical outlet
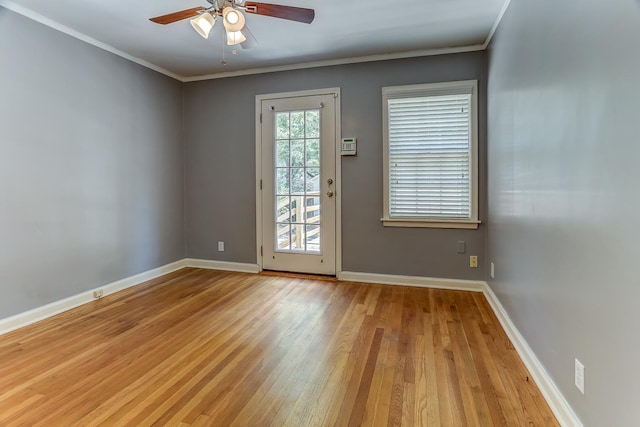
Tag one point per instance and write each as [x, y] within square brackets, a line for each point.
[492, 273]
[579, 376]
[462, 246]
[220, 246]
[97, 293]
[473, 261]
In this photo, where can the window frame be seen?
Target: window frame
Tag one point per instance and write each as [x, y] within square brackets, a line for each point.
[426, 90]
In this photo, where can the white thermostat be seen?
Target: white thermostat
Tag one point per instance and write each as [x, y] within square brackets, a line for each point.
[348, 147]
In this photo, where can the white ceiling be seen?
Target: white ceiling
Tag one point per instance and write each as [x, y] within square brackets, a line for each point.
[341, 29]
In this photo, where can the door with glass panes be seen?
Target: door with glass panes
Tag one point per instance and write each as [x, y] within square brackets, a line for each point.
[298, 184]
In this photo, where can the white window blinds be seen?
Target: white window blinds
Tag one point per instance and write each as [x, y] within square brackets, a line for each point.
[429, 156]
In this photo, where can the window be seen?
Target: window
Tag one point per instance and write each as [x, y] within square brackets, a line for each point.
[430, 155]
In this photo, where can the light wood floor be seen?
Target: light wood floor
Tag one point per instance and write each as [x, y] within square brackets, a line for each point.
[200, 347]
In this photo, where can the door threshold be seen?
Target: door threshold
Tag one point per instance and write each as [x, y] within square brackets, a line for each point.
[294, 275]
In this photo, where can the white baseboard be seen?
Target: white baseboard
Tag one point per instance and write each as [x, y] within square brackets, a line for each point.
[558, 404]
[28, 317]
[423, 282]
[223, 265]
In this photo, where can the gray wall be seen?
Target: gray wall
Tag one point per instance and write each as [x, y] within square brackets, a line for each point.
[91, 166]
[563, 193]
[220, 165]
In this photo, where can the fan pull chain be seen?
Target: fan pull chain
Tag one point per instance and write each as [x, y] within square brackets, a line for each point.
[223, 62]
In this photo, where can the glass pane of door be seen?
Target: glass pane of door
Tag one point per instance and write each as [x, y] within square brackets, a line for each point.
[297, 181]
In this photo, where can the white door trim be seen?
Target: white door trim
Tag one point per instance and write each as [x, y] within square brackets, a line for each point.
[338, 176]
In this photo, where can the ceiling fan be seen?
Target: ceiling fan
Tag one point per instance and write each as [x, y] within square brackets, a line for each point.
[233, 20]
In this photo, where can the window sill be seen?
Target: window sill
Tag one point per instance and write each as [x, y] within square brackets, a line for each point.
[420, 223]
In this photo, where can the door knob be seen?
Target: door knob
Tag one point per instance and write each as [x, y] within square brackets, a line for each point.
[330, 193]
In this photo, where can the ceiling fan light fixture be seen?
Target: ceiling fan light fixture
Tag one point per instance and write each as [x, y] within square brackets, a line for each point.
[232, 17]
[235, 37]
[233, 20]
[203, 24]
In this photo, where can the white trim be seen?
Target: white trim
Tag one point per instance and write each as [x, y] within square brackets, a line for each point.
[295, 94]
[550, 391]
[505, 6]
[417, 281]
[28, 13]
[412, 223]
[338, 183]
[239, 267]
[28, 317]
[258, 126]
[469, 87]
[338, 172]
[332, 62]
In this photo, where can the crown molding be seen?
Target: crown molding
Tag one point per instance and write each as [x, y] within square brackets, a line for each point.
[28, 13]
[496, 24]
[332, 62]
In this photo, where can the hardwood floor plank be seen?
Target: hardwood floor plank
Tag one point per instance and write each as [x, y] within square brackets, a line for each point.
[493, 390]
[376, 411]
[211, 348]
[333, 378]
[294, 368]
[357, 413]
[310, 379]
[384, 396]
[429, 358]
[237, 397]
[474, 400]
[449, 407]
[202, 381]
[121, 357]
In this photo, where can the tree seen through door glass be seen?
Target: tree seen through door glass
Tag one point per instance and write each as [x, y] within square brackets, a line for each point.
[297, 181]
[313, 152]
[297, 124]
[297, 153]
[283, 153]
[297, 163]
[313, 180]
[312, 124]
[282, 126]
[283, 180]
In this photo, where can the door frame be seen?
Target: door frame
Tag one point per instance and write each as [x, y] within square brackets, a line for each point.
[335, 91]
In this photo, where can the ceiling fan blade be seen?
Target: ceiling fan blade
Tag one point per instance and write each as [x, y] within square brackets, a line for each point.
[291, 13]
[177, 16]
[250, 41]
